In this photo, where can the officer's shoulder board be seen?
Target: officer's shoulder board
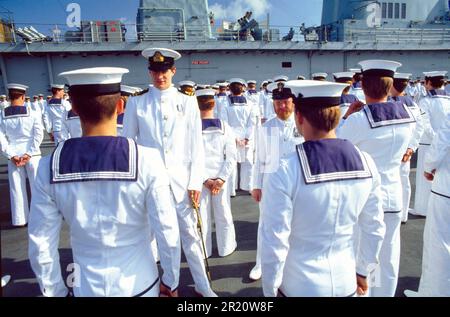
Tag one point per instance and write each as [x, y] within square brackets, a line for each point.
[332, 160]
[388, 113]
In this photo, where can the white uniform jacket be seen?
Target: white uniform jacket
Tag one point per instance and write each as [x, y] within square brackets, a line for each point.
[276, 140]
[220, 149]
[21, 132]
[310, 208]
[54, 114]
[384, 131]
[436, 106]
[71, 126]
[170, 122]
[114, 195]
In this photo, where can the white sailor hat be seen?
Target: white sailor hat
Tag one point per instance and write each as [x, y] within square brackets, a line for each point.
[35, 97]
[2, 96]
[223, 85]
[57, 86]
[402, 76]
[17, 87]
[186, 83]
[205, 93]
[355, 70]
[215, 86]
[27, 97]
[201, 86]
[280, 78]
[40, 95]
[249, 82]
[313, 93]
[160, 59]
[436, 74]
[300, 77]
[320, 75]
[238, 81]
[95, 81]
[127, 90]
[379, 68]
[343, 76]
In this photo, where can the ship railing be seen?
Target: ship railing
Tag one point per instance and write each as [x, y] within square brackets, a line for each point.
[396, 35]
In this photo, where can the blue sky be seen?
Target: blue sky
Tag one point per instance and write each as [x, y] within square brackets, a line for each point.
[42, 13]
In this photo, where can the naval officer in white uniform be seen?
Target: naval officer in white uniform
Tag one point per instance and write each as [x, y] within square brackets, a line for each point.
[313, 202]
[346, 98]
[112, 199]
[383, 129]
[21, 134]
[169, 121]
[277, 139]
[220, 159]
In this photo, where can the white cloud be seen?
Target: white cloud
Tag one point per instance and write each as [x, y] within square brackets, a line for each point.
[236, 9]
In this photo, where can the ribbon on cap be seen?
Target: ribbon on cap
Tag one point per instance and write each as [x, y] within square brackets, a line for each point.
[324, 102]
[96, 89]
[379, 73]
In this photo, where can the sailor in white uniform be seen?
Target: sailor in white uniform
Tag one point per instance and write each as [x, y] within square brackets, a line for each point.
[165, 119]
[70, 126]
[220, 159]
[269, 111]
[57, 107]
[3, 102]
[21, 135]
[356, 86]
[313, 202]
[435, 279]
[347, 98]
[113, 200]
[319, 76]
[383, 129]
[243, 120]
[266, 102]
[397, 94]
[277, 139]
[434, 108]
[221, 100]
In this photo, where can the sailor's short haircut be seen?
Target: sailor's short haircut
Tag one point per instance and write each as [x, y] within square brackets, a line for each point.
[94, 109]
[15, 94]
[435, 82]
[377, 87]
[321, 118]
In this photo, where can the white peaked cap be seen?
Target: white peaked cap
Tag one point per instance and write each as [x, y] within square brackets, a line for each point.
[17, 87]
[186, 83]
[316, 93]
[280, 78]
[166, 52]
[344, 75]
[205, 92]
[320, 75]
[435, 74]
[238, 81]
[380, 68]
[402, 76]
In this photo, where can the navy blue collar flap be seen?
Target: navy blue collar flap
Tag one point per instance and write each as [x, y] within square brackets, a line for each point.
[222, 94]
[406, 100]
[388, 113]
[348, 99]
[72, 115]
[252, 92]
[438, 93]
[212, 126]
[16, 112]
[331, 160]
[238, 100]
[55, 102]
[95, 159]
[120, 120]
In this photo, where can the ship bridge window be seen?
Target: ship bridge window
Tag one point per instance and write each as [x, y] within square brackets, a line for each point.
[391, 10]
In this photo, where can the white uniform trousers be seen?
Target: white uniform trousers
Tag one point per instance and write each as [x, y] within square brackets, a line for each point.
[389, 258]
[423, 186]
[405, 169]
[18, 189]
[58, 136]
[225, 232]
[192, 245]
[258, 241]
[241, 180]
[435, 279]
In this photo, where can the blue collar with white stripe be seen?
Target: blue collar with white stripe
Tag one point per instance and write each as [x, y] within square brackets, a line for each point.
[55, 102]
[16, 112]
[71, 115]
[388, 113]
[331, 160]
[95, 159]
[222, 94]
[437, 92]
[406, 100]
[212, 126]
[238, 100]
[348, 99]
[120, 119]
[357, 85]
[252, 92]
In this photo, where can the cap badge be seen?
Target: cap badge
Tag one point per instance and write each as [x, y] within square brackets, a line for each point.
[158, 57]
